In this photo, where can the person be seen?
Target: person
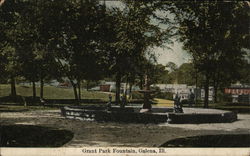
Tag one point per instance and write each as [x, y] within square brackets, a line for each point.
[109, 103]
[123, 101]
[110, 98]
[42, 101]
[177, 104]
[191, 98]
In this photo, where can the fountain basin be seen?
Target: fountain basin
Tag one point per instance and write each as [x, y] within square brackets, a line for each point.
[131, 114]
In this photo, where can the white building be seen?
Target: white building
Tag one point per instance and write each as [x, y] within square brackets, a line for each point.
[123, 86]
[184, 90]
[210, 94]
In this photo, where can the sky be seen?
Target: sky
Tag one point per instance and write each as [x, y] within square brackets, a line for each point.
[174, 53]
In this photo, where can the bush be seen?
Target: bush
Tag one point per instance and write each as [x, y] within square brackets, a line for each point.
[185, 101]
[137, 95]
[164, 95]
[226, 98]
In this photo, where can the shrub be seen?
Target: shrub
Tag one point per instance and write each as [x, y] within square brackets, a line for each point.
[164, 95]
[185, 101]
[137, 95]
[226, 98]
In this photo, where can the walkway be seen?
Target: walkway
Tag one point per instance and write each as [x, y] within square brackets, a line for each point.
[164, 102]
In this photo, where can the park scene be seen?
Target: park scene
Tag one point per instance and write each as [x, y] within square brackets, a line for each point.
[97, 73]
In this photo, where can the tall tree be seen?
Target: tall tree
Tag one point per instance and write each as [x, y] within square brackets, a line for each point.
[130, 39]
[10, 21]
[213, 32]
[73, 38]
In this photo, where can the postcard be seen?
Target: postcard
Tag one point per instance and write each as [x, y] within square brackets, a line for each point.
[100, 77]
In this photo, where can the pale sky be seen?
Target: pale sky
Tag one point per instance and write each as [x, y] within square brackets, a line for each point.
[175, 54]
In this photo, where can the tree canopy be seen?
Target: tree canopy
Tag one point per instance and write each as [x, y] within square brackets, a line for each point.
[86, 40]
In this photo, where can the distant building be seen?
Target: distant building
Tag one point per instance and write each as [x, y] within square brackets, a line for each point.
[105, 88]
[110, 84]
[240, 93]
[54, 83]
[210, 94]
[65, 84]
[184, 91]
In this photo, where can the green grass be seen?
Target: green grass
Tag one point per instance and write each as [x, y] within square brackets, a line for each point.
[51, 92]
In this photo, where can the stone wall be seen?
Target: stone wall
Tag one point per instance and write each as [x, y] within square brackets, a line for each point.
[129, 115]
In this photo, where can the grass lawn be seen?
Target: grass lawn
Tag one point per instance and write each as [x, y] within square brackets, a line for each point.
[51, 92]
[163, 102]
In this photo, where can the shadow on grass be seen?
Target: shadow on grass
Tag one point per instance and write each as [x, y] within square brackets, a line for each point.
[222, 140]
[33, 136]
[14, 111]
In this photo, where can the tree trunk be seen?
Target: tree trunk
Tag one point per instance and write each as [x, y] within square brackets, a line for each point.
[75, 91]
[126, 88]
[118, 86]
[206, 87]
[196, 81]
[141, 82]
[216, 84]
[13, 86]
[87, 85]
[215, 93]
[130, 91]
[34, 89]
[41, 87]
[79, 89]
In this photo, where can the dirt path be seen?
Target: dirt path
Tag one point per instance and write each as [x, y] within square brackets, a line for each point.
[118, 134]
[164, 103]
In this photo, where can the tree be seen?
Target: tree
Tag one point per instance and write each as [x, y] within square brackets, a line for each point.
[28, 56]
[245, 79]
[172, 66]
[28, 44]
[129, 40]
[214, 34]
[172, 77]
[10, 14]
[73, 38]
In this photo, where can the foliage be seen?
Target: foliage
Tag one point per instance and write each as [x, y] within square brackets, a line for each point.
[164, 95]
[85, 40]
[137, 95]
[214, 34]
[129, 41]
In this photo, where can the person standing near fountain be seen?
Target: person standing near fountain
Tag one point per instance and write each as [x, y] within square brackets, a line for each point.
[177, 104]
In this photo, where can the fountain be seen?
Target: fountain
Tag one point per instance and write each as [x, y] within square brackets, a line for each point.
[147, 113]
[147, 107]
